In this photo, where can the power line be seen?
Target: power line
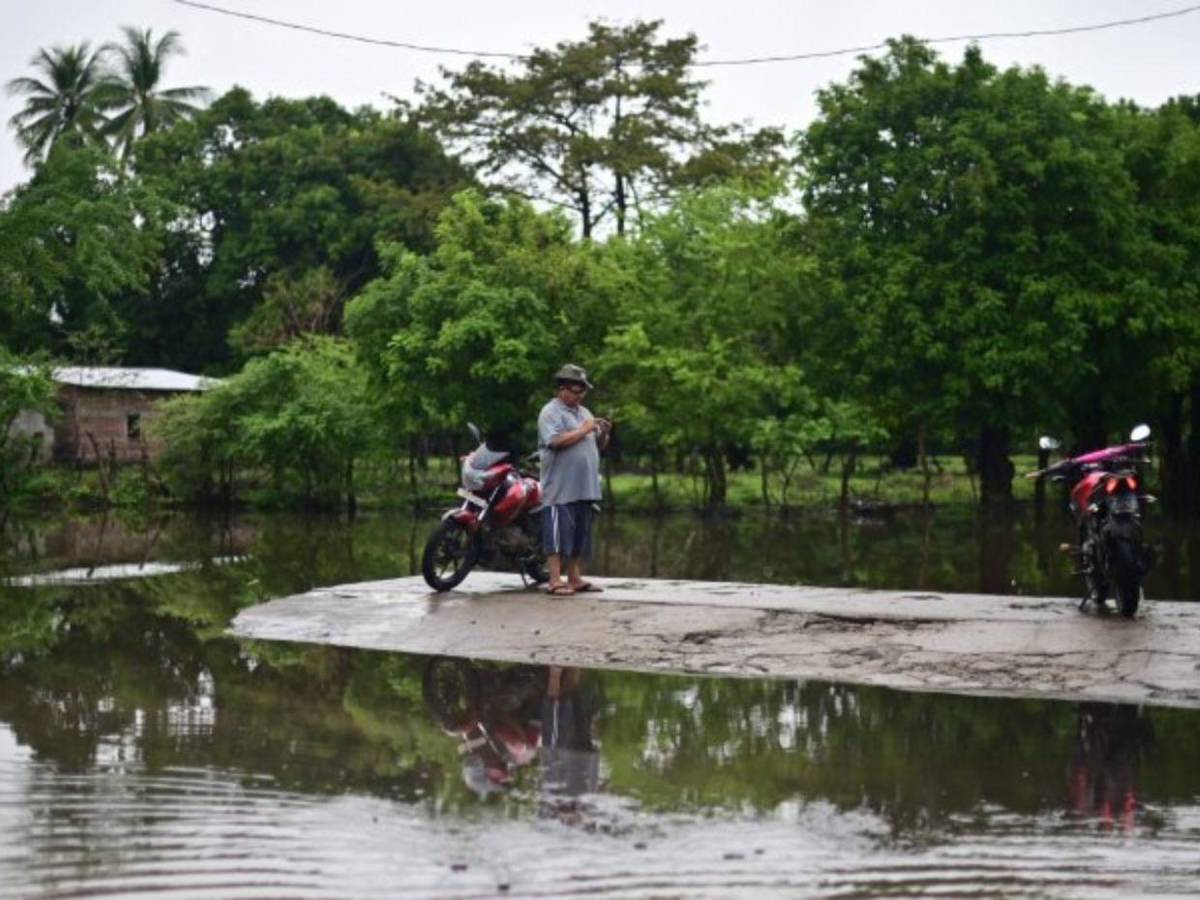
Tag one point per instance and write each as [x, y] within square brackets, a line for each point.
[1044, 32]
[452, 51]
[746, 61]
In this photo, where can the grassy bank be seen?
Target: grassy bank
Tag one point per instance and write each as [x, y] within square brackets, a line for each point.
[875, 482]
[392, 487]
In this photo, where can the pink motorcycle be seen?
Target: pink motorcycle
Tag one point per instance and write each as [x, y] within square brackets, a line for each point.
[1107, 501]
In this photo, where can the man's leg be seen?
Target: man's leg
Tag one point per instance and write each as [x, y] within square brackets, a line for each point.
[581, 548]
[554, 567]
[575, 571]
[556, 531]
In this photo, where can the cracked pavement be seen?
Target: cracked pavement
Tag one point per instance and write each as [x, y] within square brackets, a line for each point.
[916, 641]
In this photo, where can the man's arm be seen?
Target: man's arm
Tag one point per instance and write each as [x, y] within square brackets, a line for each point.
[574, 436]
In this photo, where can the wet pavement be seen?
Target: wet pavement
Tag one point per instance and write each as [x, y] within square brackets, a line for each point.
[947, 642]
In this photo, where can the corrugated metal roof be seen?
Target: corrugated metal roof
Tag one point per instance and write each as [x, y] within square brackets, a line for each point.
[131, 379]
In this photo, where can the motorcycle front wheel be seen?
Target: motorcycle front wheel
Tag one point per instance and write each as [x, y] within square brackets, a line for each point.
[452, 692]
[449, 556]
[1123, 560]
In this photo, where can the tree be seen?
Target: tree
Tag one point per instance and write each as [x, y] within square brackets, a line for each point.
[600, 126]
[1162, 150]
[64, 103]
[267, 195]
[25, 387]
[982, 227]
[73, 242]
[300, 416]
[699, 354]
[476, 329]
[133, 92]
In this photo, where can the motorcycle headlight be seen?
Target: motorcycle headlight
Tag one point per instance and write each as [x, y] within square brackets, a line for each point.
[472, 478]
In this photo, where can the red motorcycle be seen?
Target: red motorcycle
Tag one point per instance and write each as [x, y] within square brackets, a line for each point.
[1107, 501]
[492, 712]
[499, 522]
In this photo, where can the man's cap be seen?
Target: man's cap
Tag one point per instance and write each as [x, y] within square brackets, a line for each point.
[572, 372]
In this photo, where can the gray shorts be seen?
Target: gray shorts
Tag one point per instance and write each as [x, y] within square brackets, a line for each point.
[567, 529]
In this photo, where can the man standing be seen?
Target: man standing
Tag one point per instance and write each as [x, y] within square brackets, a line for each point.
[570, 441]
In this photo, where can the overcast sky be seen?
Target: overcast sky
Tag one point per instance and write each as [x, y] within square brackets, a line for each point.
[1147, 63]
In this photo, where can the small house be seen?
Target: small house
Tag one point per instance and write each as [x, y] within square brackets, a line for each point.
[105, 411]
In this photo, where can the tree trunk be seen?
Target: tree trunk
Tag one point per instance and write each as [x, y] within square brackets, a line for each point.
[1193, 448]
[714, 463]
[585, 206]
[923, 460]
[351, 497]
[1039, 486]
[849, 464]
[621, 203]
[1087, 425]
[995, 468]
[412, 469]
[620, 200]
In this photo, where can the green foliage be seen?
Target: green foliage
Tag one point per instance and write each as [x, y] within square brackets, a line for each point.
[602, 126]
[301, 416]
[83, 96]
[698, 356]
[280, 206]
[63, 102]
[982, 225]
[974, 256]
[475, 330]
[25, 387]
[73, 241]
[310, 303]
[132, 91]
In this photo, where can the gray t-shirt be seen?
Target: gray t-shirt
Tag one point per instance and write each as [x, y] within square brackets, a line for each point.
[572, 473]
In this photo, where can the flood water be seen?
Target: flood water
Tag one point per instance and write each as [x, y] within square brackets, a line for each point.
[143, 750]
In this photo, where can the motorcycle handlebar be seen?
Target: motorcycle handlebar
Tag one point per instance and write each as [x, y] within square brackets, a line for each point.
[1091, 461]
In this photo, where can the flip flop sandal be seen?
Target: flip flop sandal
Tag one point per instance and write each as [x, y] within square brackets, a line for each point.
[561, 590]
[588, 588]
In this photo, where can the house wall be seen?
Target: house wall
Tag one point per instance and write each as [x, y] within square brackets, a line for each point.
[105, 415]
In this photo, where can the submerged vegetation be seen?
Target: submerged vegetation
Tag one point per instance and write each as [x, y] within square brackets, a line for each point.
[950, 260]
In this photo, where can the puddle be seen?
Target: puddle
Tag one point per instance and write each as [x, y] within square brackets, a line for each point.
[142, 750]
[278, 768]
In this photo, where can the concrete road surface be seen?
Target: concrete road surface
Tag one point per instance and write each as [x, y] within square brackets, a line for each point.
[953, 643]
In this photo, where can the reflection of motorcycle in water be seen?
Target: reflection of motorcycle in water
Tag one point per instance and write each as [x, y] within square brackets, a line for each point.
[493, 712]
[1102, 780]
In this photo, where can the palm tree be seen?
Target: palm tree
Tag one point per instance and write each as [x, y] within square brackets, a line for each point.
[64, 103]
[133, 92]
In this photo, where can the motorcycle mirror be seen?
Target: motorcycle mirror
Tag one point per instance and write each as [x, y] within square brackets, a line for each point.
[1140, 432]
[475, 433]
[1047, 443]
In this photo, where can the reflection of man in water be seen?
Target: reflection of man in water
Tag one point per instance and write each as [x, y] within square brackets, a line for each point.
[570, 758]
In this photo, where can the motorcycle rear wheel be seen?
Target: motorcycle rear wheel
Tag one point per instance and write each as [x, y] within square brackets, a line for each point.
[450, 554]
[1127, 573]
